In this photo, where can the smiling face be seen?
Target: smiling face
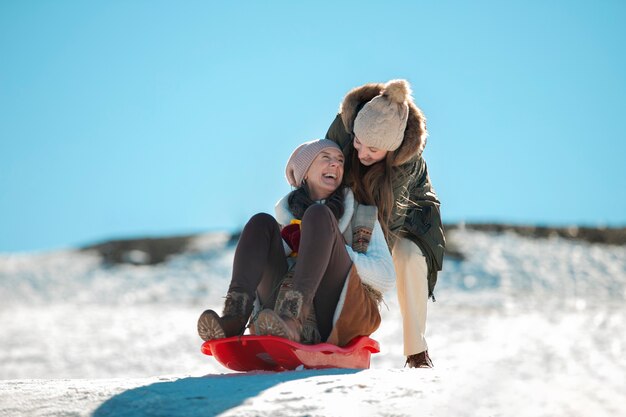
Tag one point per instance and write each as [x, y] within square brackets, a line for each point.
[325, 173]
[368, 155]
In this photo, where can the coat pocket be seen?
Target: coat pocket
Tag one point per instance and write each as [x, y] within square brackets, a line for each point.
[419, 221]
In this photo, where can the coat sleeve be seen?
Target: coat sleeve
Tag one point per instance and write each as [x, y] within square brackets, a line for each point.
[337, 133]
[423, 220]
[375, 267]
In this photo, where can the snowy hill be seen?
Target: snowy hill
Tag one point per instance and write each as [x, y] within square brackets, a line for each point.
[521, 326]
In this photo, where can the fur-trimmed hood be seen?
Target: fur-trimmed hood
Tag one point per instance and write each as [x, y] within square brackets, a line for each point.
[414, 135]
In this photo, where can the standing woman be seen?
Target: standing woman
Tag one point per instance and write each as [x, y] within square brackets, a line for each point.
[382, 133]
[316, 271]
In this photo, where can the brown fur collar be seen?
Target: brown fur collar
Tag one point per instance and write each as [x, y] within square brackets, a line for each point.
[415, 134]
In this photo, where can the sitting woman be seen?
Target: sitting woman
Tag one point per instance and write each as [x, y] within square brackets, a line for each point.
[314, 273]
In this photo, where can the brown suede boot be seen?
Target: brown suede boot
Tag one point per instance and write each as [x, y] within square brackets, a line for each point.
[237, 309]
[286, 320]
[419, 360]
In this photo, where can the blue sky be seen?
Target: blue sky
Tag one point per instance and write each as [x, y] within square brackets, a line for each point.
[131, 118]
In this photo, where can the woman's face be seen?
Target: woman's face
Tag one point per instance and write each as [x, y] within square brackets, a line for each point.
[325, 173]
[368, 155]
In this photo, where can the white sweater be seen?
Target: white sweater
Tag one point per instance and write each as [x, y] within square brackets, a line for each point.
[375, 267]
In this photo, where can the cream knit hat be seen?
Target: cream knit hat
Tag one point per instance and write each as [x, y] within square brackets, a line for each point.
[381, 122]
[302, 158]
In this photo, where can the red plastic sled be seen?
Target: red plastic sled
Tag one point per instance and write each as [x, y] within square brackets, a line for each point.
[272, 353]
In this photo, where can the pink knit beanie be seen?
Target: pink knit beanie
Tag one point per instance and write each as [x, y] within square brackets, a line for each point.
[302, 158]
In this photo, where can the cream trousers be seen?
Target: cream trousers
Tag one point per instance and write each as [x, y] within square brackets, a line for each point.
[412, 285]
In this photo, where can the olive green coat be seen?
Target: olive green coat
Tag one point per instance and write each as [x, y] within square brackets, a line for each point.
[417, 215]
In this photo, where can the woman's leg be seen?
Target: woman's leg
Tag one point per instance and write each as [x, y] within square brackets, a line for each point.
[323, 265]
[260, 261]
[258, 267]
[412, 284]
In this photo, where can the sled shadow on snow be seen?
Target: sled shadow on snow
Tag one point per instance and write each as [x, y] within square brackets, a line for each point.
[201, 396]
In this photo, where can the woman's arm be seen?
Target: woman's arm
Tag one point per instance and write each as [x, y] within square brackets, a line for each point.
[375, 267]
[337, 133]
[423, 221]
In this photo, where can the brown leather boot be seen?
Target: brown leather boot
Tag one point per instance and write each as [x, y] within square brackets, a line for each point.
[237, 309]
[285, 321]
[419, 360]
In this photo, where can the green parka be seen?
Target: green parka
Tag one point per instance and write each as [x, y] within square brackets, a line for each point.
[417, 215]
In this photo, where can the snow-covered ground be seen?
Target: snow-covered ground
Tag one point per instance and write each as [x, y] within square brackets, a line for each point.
[522, 327]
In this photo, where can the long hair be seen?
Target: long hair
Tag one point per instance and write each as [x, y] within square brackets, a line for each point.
[299, 201]
[372, 186]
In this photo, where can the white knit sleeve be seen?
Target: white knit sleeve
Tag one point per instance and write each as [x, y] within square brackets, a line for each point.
[375, 267]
